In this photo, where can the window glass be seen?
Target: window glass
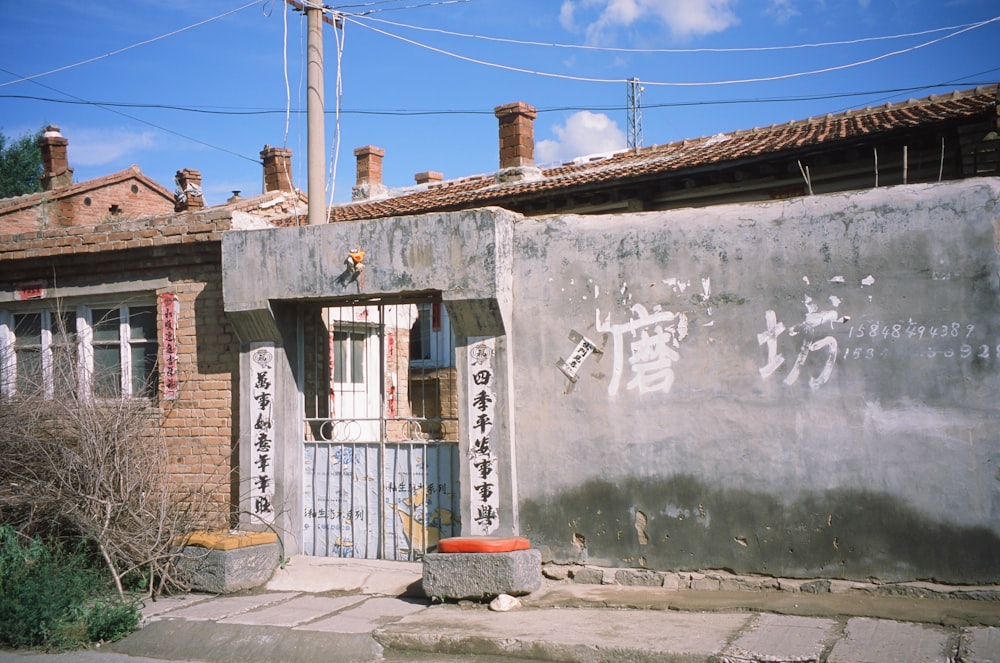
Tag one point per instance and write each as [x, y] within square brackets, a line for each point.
[144, 373]
[143, 351]
[420, 334]
[28, 351]
[106, 325]
[142, 323]
[107, 371]
[64, 353]
[348, 357]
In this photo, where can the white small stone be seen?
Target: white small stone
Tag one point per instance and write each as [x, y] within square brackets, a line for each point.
[504, 603]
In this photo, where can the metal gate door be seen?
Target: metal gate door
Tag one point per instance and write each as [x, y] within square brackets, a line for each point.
[381, 454]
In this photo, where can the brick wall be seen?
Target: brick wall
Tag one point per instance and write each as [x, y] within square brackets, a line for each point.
[200, 425]
[84, 204]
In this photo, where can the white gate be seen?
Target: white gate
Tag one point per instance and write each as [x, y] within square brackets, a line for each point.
[381, 453]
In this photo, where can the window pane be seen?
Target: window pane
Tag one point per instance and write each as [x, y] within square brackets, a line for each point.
[28, 351]
[144, 373]
[64, 328]
[420, 334]
[107, 371]
[348, 357]
[339, 355]
[64, 352]
[357, 358]
[106, 325]
[29, 371]
[142, 322]
[28, 329]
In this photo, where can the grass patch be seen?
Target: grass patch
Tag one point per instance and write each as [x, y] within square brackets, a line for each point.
[53, 597]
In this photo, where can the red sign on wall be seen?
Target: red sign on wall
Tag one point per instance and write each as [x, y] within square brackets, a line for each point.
[168, 315]
[32, 290]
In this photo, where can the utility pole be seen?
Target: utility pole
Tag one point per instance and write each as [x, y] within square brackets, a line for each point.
[634, 114]
[315, 115]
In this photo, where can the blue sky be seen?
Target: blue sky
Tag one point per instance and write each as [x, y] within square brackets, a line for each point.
[206, 84]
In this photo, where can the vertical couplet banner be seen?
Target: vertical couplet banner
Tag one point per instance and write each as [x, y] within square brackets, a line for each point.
[481, 403]
[262, 441]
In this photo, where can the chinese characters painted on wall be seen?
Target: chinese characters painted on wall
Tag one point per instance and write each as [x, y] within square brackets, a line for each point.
[262, 429]
[824, 348]
[483, 470]
[653, 340]
[168, 314]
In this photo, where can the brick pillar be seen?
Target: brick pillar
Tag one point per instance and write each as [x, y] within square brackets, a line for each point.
[428, 177]
[369, 164]
[369, 180]
[187, 194]
[55, 162]
[277, 168]
[517, 134]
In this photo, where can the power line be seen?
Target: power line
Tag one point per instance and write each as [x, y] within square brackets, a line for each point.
[618, 49]
[107, 107]
[418, 6]
[128, 48]
[238, 112]
[760, 79]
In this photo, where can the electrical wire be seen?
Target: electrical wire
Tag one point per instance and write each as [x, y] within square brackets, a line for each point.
[136, 45]
[237, 112]
[616, 49]
[284, 71]
[340, 37]
[420, 6]
[586, 79]
[136, 119]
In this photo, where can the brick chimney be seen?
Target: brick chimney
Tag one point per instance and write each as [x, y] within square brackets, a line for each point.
[187, 194]
[55, 163]
[277, 168]
[428, 177]
[369, 181]
[517, 142]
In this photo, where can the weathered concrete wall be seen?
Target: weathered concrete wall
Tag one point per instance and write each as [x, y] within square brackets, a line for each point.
[802, 388]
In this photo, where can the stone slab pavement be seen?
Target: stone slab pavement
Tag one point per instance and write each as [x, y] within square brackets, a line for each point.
[343, 610]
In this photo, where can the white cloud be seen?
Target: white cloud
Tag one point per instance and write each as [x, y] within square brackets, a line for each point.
[684, 18]
[97, 147]
[782, 10]
[566, 14]
[584, 133]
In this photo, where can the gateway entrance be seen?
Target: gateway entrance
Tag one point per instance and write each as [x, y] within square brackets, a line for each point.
[381, 467]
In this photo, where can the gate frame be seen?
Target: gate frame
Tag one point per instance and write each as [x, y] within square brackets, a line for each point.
[467, 256]
[376, 374]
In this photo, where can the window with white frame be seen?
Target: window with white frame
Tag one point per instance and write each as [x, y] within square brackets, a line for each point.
[349, 356]
[92, 350]
[431, 344]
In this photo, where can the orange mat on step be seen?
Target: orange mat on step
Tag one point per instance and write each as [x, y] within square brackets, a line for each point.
[483, 544]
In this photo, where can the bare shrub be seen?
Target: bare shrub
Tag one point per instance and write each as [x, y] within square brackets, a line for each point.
[95, 469]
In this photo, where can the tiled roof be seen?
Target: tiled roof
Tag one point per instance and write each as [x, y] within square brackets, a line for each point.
[674, 158]
[8, 205]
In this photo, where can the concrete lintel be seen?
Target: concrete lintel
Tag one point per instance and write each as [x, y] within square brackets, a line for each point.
[467, 255]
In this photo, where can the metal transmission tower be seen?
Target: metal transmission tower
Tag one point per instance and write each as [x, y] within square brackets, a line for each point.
[634, 114]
